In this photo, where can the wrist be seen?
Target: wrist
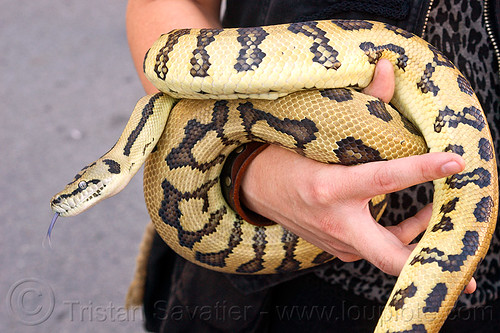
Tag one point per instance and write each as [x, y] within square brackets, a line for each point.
[268, 181]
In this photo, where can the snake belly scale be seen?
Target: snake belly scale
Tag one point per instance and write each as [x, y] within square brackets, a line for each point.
[274, 84]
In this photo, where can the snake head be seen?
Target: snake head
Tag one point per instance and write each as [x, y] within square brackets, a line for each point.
[91, 185]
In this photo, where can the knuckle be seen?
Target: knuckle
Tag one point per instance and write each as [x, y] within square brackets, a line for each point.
[320, 192]
[384, 263]
[398, 229]
[385, 180]
[426, 172]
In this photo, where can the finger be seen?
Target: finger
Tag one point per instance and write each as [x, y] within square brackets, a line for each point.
[410, 228]
[471, 287]
[345, 256]
[371, 179]
[382, 85]
[412, 246]
[381, 247]
[407, 230]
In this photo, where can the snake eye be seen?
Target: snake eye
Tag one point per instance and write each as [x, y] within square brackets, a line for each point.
[82, 185]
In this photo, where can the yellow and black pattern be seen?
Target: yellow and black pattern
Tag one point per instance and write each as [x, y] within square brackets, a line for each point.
[323, 52]
[215, 71]
[250, 54]
[200, 61]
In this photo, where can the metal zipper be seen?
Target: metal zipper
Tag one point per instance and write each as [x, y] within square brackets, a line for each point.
[426, 20]
[489, 31]
[487, 24]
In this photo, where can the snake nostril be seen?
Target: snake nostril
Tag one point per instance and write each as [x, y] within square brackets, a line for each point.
[56, 200]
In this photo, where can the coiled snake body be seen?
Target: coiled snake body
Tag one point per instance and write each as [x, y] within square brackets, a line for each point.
[215, 71]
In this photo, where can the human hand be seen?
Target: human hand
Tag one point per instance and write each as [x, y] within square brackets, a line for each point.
[327, 205]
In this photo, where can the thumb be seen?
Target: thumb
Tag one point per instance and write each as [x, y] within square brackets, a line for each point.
[382, 85]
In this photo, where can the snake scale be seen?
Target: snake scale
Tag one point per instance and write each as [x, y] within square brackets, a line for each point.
[274, 84]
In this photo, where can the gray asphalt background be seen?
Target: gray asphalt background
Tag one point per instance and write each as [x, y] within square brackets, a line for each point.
[67, 88]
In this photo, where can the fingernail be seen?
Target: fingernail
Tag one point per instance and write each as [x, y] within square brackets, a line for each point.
[451, 167]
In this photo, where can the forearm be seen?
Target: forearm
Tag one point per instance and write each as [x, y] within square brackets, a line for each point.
[148, 19]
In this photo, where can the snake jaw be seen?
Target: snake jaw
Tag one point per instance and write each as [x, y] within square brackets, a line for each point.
[76, 198]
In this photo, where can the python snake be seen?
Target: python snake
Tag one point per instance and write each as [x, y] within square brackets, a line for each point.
[231, 84]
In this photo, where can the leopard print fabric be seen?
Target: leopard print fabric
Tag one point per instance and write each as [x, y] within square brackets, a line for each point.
[457, 28]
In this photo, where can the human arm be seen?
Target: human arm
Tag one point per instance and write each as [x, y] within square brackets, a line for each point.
[148, 19]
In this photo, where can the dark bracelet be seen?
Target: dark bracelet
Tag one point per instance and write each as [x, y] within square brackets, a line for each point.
[231, 176]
